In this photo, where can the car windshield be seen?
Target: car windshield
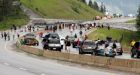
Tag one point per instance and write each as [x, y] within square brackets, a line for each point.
[71, 37]
[88, 43]
[54, 36]
[54, 41]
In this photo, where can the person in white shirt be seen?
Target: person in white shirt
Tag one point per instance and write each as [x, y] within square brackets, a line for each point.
[62, 42]
[107, 50]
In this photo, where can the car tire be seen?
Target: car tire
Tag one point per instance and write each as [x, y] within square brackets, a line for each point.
[132, 55]
[137, 55]
[59, 50]
[113, 56]
[120, 53]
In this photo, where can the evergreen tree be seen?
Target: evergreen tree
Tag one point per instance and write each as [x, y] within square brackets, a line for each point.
[95, 5]
[91, 4]
[6, 8]
[103, 8]
[138, 19]
[84, 1]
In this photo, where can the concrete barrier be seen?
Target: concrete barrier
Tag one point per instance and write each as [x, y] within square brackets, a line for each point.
[50, 54]
[112, 63]
[63, 56]
[121, 64]
[136, 66]
[84, 59]
[101, 61]
[74, 58]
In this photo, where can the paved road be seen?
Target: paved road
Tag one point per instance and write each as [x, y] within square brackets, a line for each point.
[116, 23]
[66, 31]
[15, 62]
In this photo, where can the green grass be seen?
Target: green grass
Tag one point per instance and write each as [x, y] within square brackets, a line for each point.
[18, 19]
[61, 9]
[131, 21]
[116, 34]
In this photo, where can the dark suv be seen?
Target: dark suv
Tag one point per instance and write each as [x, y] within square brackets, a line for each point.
[135, 51]
[52, 42]
[87, 47]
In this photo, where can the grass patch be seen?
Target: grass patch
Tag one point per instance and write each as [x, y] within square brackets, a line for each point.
[18, 19]
[131, 21]
[116, 34]
[64, 9]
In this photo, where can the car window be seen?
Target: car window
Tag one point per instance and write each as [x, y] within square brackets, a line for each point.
[54, 36]
[88, 43]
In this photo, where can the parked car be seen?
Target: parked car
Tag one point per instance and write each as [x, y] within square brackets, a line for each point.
[100, 51]
[119, 50]
[52, 42]
[135, 51]
[31, 42]
[87, 47]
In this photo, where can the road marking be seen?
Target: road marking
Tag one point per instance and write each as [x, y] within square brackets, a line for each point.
[22, 69]
[6, 64]
[43, 74]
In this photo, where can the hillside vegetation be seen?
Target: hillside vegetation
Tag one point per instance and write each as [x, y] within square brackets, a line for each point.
[62, 9]
[11, 14]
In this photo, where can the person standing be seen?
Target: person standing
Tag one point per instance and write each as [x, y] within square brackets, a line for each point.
[132, 43]
[5, 35]
[75, 35]
[1, 34]
[13, 36]
[18, 35]
[80, 33]
[107, 50]
[62, 43]
[8, 36]
[86, 37]
[68, 44]
[33, 28]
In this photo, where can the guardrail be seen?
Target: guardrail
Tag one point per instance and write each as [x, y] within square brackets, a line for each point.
[111, 63]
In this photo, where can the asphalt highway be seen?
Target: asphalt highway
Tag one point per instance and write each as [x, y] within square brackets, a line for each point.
[16, 62]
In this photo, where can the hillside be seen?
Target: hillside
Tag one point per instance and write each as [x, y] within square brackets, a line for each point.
[18, 20]
[61, 9]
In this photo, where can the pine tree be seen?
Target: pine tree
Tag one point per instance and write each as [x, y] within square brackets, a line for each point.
[84, 1]
[95, 5]
[103, 8]
[5, 8]
[91, 4]
[138, 19]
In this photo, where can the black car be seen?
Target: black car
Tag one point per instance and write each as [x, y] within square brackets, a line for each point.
[135, 51]
[52, 42]
[87, 47]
